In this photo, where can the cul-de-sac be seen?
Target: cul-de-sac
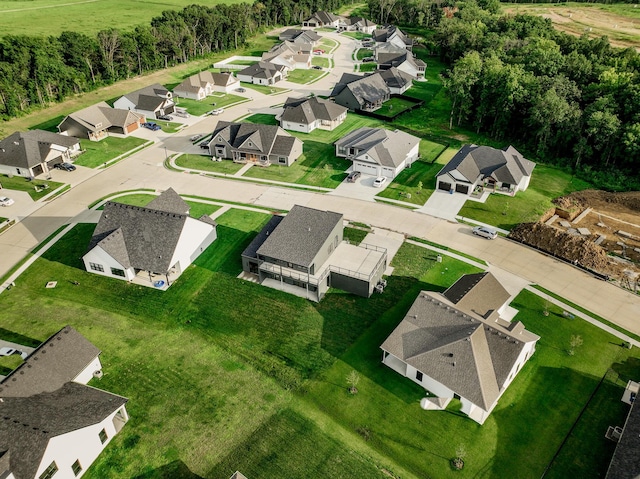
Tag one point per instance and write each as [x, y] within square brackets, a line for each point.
[319, 239]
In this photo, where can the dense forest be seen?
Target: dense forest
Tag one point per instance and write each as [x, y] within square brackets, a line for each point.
[35, 71]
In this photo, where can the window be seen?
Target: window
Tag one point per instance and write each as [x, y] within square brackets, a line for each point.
[76, 468]
[282, 160]
[117, 272]
[96, 267]
[103, 436]
[49, 471]
[418, 375]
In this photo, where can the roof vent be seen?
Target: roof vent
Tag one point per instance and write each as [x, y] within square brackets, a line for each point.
[453, 364]
[309, 229]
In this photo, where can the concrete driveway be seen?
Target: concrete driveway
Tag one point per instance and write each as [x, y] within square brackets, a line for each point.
[361, 189]
[442, 204]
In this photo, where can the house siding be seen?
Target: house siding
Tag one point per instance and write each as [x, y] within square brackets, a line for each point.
[348, 100]
[99, 256]
[87, 373]
[195, 237]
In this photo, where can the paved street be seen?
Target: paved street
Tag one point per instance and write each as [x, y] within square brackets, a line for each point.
[145, 170]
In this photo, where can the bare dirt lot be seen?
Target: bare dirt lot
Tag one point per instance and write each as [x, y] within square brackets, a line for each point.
[622, 30]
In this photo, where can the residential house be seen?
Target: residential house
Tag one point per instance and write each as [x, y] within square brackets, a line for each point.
[461, 344]
[307, 114]
[361, 92]
[99, 121]
[300, 36]
[387, 47]
[152, 245]
[404, 62]
[152, 101]
[294, 56]
[394, 35]
[263, 73]
[253, 143]
[322, 19]
[625, 463]
[55, 426]
[356, 24]
[223, 82]
[378, 151]
[303, 253]
[397, 81]
[201, 85]
[32, 153]
[478, 167]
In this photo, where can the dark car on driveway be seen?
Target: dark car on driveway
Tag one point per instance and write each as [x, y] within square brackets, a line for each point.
[151, 126]
[353, 176]
[65, 166]
[165, 117]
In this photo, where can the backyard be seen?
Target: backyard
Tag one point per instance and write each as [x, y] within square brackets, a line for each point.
[97, 153]
[221, 374]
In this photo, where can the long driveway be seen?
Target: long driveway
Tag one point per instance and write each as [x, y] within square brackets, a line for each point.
[145, 170]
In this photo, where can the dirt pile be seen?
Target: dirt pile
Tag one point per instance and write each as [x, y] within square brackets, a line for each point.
[564, 245]
[600, 200]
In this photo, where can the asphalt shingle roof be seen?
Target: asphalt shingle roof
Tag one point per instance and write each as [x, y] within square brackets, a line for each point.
[368, 88]
[308, 110]
[395, 78]
[300, 235]
[384, 147]
[267, 139]
[481, 293]
[26, 149]
[101, 116]
[251, 250]
[149, 97]
[625, 463]
[262, 70]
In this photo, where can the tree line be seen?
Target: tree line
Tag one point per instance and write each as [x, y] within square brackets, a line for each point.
[35, 71]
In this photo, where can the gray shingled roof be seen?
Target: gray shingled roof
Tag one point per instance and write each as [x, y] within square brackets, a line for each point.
[471, 161]
[395, 78]
[56, 361]
[299, 236]
[262, 70]
[324, 17]
[384, 147]
[368, 88]
[625, 463]
[101, 116]
[26, 149]
[397, 59]
[28, 423]
[169, 201]
[481, 293]
[456, 348]
[267, 139]
[149, 97]
[308, 110]
[383, 34]
[251, 250]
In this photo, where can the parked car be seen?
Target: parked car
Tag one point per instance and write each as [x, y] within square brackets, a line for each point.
[6, 201]
[353, 176]
[241, 90]
[485, 232]
[165, 117]
[368, 60]
[379, 181]
[204, 145]
[182, 114]
[217, 111]
[10, 351]
[318, 52]
[65, 166]
[316, 67]
[151, 126]
[196, 137]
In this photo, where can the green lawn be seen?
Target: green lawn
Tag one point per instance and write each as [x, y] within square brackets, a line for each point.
[223, 374]
[423, 171]
[363, 53]
[20, 183]
[262, 119]
[392, 106]
[97, 153]
[329, 44]
[304, 76]
[246, 63]
[197, 108]
[356, 35]
[169, 126]
[367, 67]
[201, 162]
[197, 208]
[506, 211]
[323, 62]
[264, 89]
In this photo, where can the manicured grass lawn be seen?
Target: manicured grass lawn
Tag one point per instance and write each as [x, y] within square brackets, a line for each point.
[201, 162]
[262, 119]
[368, 67]
[423, 171]
[20, 183]
[506, 211]
[140, 199]
[356, 35]
[247, 63]
[97, 153]
[169, 126]
[197, 108]
[264, 89]
[321, 62]
[304, 76]
[363, 53]
[393, 105]
[328, 44]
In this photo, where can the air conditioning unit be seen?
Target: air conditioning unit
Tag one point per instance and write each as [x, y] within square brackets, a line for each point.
[97, 374]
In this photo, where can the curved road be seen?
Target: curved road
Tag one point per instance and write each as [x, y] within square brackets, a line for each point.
[145, 170]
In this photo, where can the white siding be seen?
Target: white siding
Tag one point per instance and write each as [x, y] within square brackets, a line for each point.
[195, 237]
[124, 103]
[245, 78]
[87, 373]
[430, 384]
[99, 256]
[288, 125]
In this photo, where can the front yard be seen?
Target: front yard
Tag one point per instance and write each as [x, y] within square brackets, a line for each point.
[97, 153]
[356, 35]
[323, 62]
[203, 162]
[218, 100]
[221, 374]
[304, 76]
[36, 188]
[265, 89]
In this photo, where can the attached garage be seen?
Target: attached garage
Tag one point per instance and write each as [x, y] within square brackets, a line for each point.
[364, 168]
[464, 189]
[389, 172]
[443, 185]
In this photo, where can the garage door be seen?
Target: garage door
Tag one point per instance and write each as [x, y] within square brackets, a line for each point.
[388, 172]
[363, 168]
[37, 170]
[462, 189]
[444, 186]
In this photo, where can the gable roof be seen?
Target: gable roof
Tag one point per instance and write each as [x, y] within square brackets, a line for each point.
[26, 149]
[300, 36]
[457, 348]
[367, 88]
[324, 17]
[149, 98]
[395, 78]
[472, 162]
[394, 59]
[382, 146]
[481, 293]
[262, 70]
[625, 463]
[101, 116]
[363, 22]
[267, 139]
[308, 110]
[386, 33]
[170, 202]
[300, 235]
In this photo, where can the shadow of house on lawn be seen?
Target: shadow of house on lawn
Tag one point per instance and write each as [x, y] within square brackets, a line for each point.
[174, 470]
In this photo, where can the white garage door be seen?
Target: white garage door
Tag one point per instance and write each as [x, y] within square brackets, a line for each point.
[388, 172]
[364, 168]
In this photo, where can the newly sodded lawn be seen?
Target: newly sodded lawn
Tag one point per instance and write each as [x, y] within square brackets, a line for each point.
[323, 62]
[356, 35]
[197, 208]
[506, 211]
[97, 153]
[264, 89]
[202, 162]
[393, 106]
[363, 53]
[329, 44]
[224, 375]
[304, 76]
[219, 100]
[36, 188]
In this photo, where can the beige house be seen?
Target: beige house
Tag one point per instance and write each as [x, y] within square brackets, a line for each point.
[307, 114]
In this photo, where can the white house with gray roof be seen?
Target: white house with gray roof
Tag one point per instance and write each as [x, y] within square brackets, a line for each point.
[35, 152]
[153, 244]
[293, 56]
[322, 19]
[397, 81]
[479, 167]
[263, 73]
[201, 85]
[461, 344]
[361, 92]
[392, 34]
[99, 121]
[151, 101]
[404, 62]
[378, 151]
[307, 114]
[304, 253]
[54, 425]
[262, 145]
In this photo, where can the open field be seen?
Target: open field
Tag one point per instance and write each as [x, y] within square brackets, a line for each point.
[620, 23]
[48, 17]
[221, 374]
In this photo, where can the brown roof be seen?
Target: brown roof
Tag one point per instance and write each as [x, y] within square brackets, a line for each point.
[481, 293]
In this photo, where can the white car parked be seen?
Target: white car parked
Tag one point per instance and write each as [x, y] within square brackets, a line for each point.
[485, 232]
[10, 351]
[379, 181]
[6, 201]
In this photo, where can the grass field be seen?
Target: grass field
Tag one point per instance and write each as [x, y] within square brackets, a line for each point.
[20, 183]
[217, 381]
[506, 211]
[321, 62]
[197, 208]
[264, 89]
[97, 153]
[201, 162]
[356, 35]
[201, 107]
[363, 53]
[48, 17]
[394, 105]
[304, 76]
[367, 67]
